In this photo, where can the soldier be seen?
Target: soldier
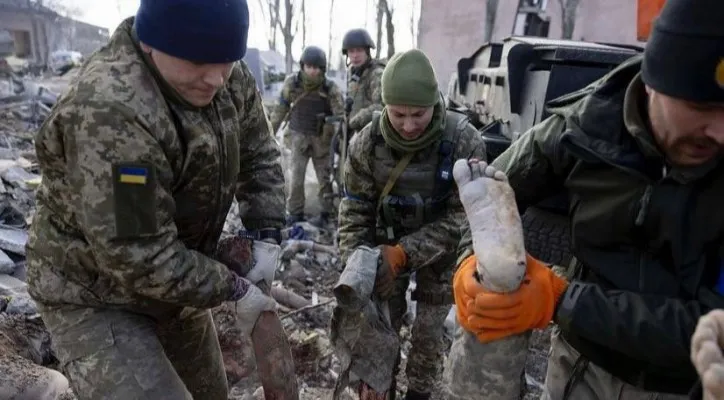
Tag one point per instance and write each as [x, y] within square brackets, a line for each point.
[141, 160]
[399, 196]
[363, 79]
[307, 98]
[639, 154]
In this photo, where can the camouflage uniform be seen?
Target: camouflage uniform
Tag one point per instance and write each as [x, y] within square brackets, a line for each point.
[365, 92]
[136, 187]
[308, 137]
[640, 277]
[428, 230]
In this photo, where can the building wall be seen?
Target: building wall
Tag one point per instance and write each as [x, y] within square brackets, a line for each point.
[49, 31]
[78, 36]
[448, 30]
[452, 29]
[36, 29]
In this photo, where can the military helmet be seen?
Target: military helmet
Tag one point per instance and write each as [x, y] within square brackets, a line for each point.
[313, 55]
[357, 38]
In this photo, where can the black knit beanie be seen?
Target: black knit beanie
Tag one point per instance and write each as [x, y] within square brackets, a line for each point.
[204, 31]
[684, 57]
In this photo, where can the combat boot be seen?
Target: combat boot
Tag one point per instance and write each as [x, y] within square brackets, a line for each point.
[414, 395]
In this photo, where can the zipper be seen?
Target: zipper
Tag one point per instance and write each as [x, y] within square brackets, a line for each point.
[578, 131]
[218, 131]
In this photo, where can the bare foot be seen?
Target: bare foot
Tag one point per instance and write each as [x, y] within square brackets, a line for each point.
[497, 233]
[706, 353]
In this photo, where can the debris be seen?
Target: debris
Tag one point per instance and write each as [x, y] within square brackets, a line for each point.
[21, 303]
[288, 298]
[8, 284]
[7, 265]
[307, 307]
[13, 240]
[303, 284]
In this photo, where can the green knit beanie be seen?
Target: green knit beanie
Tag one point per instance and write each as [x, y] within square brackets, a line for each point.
[409, 80]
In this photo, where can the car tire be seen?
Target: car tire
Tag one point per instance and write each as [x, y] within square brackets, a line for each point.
[547, 236]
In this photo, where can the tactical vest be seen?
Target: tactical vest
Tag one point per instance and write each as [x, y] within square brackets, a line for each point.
[308, 115]
[358, 87]
[420, 192]
[633, 227]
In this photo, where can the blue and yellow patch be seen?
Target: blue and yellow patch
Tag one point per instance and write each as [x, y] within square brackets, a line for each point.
[133, 175]
[719, 73]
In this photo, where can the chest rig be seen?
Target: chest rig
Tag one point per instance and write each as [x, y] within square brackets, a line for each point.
[421, 190]
[359, 91]
[310, 108]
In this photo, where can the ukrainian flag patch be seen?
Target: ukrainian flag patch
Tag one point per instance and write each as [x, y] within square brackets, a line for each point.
[133, 175]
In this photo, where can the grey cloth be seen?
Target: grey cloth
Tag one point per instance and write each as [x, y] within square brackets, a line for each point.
[362, 335]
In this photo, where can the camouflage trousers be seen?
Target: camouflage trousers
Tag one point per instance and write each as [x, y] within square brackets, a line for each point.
[495, 371]
[114, 354]
[594, 383]
[21, 379]
[424, 361]
[303, 147]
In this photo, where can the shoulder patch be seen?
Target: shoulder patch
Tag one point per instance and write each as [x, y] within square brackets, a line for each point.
[719, 73]
[134, 197]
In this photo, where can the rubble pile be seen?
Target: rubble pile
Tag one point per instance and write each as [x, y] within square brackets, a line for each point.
[310, 268]
[29, 99]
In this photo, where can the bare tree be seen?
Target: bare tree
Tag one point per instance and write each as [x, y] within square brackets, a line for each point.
[414, 22]
[367, 14]
[380, 7]
[389, 27]
[270, 12]
[329, 43]
[304, 23]
[491, 11]
[568, 17]
[289, 29]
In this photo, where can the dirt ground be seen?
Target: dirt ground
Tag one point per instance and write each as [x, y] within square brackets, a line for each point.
[25, 344]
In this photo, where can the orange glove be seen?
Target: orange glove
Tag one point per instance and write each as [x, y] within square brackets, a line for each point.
[493, 316]
[465, 288]
[394, 261]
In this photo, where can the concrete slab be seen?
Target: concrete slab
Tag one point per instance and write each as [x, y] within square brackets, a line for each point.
[7, 265]
[10, 284]
[13, 240]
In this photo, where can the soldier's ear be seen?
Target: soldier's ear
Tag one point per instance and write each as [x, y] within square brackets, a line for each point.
[146, 48]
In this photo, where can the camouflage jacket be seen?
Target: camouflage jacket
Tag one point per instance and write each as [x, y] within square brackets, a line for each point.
[358, 218]
[365, 91]
[646, 235]
[137, 184]
[293, 89]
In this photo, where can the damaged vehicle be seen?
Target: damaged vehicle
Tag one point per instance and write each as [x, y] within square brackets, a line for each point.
[505, 89]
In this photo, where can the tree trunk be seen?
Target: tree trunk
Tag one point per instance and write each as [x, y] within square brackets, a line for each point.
[378, 20]
[273, 7]
[413, 25]
[288, 34]
[568, 17]
[390, 27]
[275, 29]
[304, 24]
[491, 10]
[329, 43]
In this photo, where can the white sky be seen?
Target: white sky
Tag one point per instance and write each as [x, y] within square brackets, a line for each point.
[347, 14]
